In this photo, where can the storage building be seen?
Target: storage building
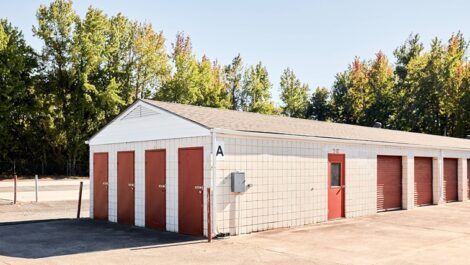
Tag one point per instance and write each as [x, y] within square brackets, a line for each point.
[153, 164]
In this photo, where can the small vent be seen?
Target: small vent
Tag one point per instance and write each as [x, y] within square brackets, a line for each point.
[377, 125]
[139, 112]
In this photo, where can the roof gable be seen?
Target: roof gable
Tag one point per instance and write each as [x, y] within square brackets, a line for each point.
[144, 122]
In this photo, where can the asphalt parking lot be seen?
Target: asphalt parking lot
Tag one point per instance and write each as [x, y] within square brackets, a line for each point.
[70, 236]
[427, 235]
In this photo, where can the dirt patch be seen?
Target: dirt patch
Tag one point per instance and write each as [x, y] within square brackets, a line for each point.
[40, 211]
[10, 178]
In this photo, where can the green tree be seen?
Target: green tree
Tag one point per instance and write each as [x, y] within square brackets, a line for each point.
[464, 119]
[183, 86]
[360, 91]
[256, 96]
[211, 90]
[404, 54]
[434, 88]
[320, 106]
[341, 102]
[233, 76]
[55, 29]
[20, 108]
[381, 82]
[352, 94]
[151, 61]
[3, 39]
[294, 95]
[423, 84]
[453, 90]
[411, 49]
[118, 65]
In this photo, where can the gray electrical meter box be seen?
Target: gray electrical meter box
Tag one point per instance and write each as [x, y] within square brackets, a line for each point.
[238, 182]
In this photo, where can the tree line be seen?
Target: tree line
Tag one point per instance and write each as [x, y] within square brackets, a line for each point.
[91, 68]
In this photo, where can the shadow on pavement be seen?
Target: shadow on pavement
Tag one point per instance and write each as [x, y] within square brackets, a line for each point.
[64, 237]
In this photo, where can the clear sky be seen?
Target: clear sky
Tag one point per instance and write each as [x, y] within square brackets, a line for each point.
[316, 38]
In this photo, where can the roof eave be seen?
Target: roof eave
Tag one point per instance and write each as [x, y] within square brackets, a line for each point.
[330, 139]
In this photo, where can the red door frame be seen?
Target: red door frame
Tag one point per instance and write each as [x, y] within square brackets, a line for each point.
[190, 195]
[155, 189]
[100, 187]
[125, 188]
[336, 194]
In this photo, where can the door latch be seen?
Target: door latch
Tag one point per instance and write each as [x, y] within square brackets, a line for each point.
[161, 186]
[198, 187]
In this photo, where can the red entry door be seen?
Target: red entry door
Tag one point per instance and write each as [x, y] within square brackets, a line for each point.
[155, 199]
[450, 179]
[190, 191]
[336, 186]
[125, 186]
[100, 186]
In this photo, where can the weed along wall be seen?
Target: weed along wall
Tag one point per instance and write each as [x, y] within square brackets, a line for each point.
[265, 172]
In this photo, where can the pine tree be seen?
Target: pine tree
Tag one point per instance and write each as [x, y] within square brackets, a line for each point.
[341, 102]
[411, 49]
[406, 53]
[320, 105]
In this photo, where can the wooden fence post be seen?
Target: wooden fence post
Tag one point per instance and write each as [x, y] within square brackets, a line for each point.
[79, 200]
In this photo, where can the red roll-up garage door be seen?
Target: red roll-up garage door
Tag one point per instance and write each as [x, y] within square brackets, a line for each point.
[468, 177]
[423, 181]
[450, 179]
[388, 182]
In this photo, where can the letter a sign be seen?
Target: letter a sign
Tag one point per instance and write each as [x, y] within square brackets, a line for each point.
[219, 151]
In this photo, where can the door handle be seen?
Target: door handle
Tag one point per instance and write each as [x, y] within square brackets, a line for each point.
[161, 186]
[105, 183]
[130, 184]
[198, 187]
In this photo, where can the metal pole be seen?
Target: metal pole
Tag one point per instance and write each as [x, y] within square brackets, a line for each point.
[36, 184]
[209, 227]
[79, 200]
[14, 183]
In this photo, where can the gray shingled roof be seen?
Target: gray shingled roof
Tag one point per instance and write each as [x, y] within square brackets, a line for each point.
[252, 122]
